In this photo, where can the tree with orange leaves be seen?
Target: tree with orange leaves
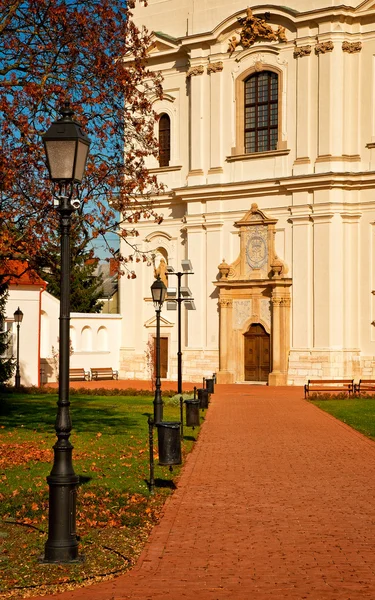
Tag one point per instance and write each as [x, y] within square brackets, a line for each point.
[91, 53]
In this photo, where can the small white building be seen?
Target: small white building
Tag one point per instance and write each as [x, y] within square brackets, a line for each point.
[26, 289]
[95, 338]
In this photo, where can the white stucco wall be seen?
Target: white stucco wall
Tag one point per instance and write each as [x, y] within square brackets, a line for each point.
[95, 340]
[180, 18]
[319, 185]
[95, 337]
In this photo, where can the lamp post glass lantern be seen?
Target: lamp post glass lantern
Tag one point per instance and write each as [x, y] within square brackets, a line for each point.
[158, 291]
[66, 148]
[18, 316]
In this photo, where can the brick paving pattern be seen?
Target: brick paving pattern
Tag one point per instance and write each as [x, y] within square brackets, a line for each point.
[276, 501]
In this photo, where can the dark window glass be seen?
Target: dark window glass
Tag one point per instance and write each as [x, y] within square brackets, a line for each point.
[261, 112]
[164, 140]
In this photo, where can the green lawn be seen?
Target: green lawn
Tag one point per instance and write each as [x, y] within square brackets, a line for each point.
[359, 413]
[115, 511]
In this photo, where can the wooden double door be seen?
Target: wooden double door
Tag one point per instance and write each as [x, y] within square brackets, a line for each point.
[163, 357]
[257, 354]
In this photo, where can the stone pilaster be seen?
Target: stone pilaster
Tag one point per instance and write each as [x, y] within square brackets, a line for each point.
[304, 109]
[224, 376]
[196, 81]
[216, 116]
[275, 375]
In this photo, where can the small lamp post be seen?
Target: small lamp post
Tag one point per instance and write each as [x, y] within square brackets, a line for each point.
[18, 316]
[66, 148]
[158, 291]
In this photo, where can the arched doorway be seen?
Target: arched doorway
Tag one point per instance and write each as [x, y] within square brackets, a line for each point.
[257, 353]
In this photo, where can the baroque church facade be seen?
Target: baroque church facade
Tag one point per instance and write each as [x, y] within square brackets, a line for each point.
[267, 153]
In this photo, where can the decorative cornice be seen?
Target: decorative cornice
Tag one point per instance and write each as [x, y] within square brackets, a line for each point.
[193, 71]
[303, 160]
[215, 170]
[215, 67]
[342, 158]
[165, 169]
[300, 51]
[195, 173]
[255, 155]
[351, 47]
[276, 301]
[324, 47]
[260, 187]
[286, 302]
[225, 302]
[300, 220]
[322, 218]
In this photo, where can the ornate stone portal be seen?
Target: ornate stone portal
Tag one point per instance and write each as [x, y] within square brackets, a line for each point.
[254, 290]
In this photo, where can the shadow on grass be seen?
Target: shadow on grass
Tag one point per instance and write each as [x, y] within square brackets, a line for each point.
[84, 479]
[88, 414]
[162, 483]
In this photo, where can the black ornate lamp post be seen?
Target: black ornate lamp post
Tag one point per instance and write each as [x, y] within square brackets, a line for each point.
[18, 316]
[158, 291]
[67, 149]
[183, 295]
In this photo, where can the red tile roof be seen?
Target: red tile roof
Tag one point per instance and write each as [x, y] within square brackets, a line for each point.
[19, 273]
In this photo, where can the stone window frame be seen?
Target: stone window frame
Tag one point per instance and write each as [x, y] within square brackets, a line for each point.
[164, 140]
[239, 149]
[270, 127]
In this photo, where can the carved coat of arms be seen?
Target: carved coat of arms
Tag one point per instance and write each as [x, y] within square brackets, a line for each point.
[254, 29]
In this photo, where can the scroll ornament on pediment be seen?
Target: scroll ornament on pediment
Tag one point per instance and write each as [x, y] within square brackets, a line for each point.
[324, 47]
[215, 67]
[300, 51]
[255, 29]
[351, 47]
[193, 71]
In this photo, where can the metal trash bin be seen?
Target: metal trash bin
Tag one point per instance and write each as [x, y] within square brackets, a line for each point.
[169, 443]
[210, 386]
[203, 398]
[192, 413]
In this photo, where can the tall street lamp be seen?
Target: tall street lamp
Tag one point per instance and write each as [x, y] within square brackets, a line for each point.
[18, 316]
[183, 296]
[67, 149]
[158, 291]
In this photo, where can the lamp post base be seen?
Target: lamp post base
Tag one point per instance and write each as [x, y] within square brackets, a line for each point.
[79, 560]
[62, 543]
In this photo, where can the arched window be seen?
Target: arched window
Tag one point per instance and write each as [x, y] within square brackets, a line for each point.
[86, 339]
[261, 112]
[164, 140]
[102, 339]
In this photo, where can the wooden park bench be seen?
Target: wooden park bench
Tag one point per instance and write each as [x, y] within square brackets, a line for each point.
[365, 385]
[103, 373]
[78, 375]
[329, 385]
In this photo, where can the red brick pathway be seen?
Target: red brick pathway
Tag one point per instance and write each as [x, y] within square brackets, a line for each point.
[276, 501]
